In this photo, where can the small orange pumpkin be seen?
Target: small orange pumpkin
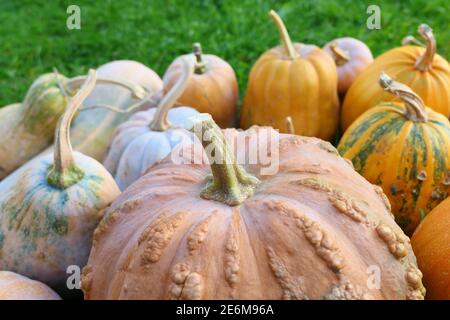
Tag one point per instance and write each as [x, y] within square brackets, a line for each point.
[421, 69]
[212, 89]
[431, 244]
[297, 80]
[14, 286]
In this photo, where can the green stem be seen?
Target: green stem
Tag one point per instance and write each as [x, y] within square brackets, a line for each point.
[160, 121]
[200, 66]
[425, 62]
[230, 183]
[414, 105]
[285, 39]
[65, 172]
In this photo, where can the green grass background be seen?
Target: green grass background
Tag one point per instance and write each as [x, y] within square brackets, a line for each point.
[34, 37]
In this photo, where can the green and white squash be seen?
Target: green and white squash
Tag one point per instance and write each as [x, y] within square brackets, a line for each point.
[48, 215]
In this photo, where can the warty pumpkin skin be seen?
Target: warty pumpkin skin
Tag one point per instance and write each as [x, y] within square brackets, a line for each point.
[212, 89]
[351, 56]
[47, 218]
[309, 231]
[431, 244]
[424, 71]
[148, 136]
[404, 148]
[296, 80]
[13, 286]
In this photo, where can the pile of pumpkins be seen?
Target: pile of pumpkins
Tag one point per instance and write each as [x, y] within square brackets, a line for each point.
[108, 196]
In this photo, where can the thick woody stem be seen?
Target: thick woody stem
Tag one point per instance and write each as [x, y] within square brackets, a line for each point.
[290, 125]
[341, 56]
[200, 66]
[65, 172]
[414, 105]
[425, 62]
[230, 183]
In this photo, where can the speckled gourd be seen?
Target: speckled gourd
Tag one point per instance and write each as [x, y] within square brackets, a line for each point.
[13, 286]
[311, 230]
[47, 218]
[148, 136]
[405, 149]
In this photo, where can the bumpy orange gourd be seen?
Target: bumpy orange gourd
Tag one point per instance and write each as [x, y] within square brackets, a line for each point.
[424, 71]
[212, 89]
[431, 244]
[405, 149]
[297, 80]
[314, 229]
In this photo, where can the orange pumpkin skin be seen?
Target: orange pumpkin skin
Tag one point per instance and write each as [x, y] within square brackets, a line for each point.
[301, 84]
[212, 89]
[14, 286]
[431, 244]
[308, 232]
[432, 84]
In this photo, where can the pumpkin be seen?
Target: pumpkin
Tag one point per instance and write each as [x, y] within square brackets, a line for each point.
[93, 130]
[212, 89]
[27, 129]
[351, 56]
[307, 231]
[405, 149]
[297, 80]
[49, 214]
[431, 244]
[148, 136]
[424, 71]
[13, 286]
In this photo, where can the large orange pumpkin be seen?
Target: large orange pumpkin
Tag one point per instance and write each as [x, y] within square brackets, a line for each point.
[314, 229]
[405, 149]
[431, 244]
[424, 71]
[297, 80]
[212, 89]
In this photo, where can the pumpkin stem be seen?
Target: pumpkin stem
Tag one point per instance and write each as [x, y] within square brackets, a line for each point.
[65, 172]
[230, 183]
[160, 121]
[414, 105]
[411, 39]
[290, 125]
[200, 66]
[285, 39]
[71, 86]
[341, 56]
[424, 63]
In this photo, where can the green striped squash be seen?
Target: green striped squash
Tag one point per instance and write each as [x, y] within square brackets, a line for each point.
[405, 149]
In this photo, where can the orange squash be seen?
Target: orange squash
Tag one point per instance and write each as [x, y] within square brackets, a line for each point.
[297, 80]
[431, 244]
[421, 69]
[13, 286]
[309, 231]
[212, 89]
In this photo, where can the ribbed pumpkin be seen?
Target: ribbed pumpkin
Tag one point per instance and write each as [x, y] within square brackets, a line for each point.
[48, 214]
[404, 148]
[431, 244]
[148, 136]
[424, 71]
[212, 89]
[297, 80]
[309, 231]
[351, 56]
